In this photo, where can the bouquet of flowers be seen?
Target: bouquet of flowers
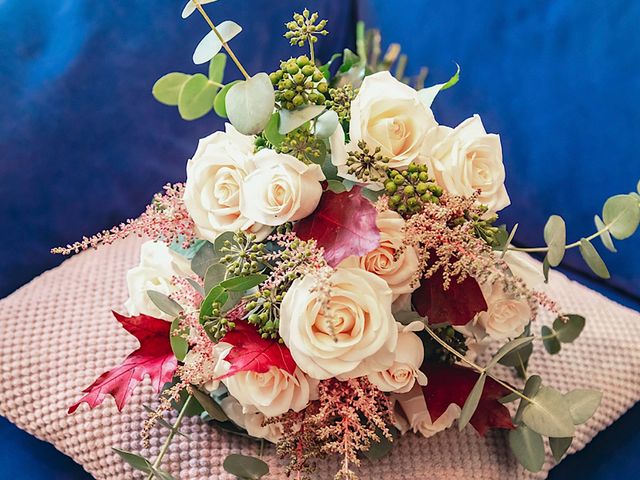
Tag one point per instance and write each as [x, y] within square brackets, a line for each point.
[332, 275]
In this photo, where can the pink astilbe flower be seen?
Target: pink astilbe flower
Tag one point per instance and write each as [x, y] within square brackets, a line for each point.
[166, 219]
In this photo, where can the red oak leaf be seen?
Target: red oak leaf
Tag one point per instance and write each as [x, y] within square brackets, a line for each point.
[154, 357]
[456, 305]
[344, 224]
[452, 384]
[252, 353]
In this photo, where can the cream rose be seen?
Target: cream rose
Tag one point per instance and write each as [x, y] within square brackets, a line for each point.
[158, 264]
[251, 420]
[405, 371]
[388, 114]
[506, 317]
[274, 392]
[415, 409]
[281, 189]
[215, 180]
[466, 159]
[353, 336]
[203, 368]
[392, 260]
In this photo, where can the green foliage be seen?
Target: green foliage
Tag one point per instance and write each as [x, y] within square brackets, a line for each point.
[555, 236]
[621, 213]
[510, 348]
[583, 403]
[211, 43]
[472, 401]
[271, 132]
[245, 467]
[568, 327]
[453, 80]
[548, 414]
[250, 103]
[299, 82]
[531, 387]
[164, 303]
[384, 446]
[242, 284]
[219, 104]
[216, 298]
[167, 88]
[196, 97]
[292, 119]
[410, 189]
[216, 68]
[179, 344]
[559, 446]
[136, 461]
[605, 236]
[550, 340]
[592, 259]
[210, 405]
[215, 274]
[528, 447]
[203, 259]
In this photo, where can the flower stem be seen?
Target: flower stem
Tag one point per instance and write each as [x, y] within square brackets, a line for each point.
[571, 245]
[172, 433]
[222, 40]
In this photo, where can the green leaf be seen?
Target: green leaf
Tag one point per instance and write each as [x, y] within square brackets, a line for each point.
[550, 340]
[292, 119]
[188, 252]
[583, 403]
[221, 240]
[326, 67]
[250, 104]
[136, 461]
[167, 88]
[196, 286]
[216, 295]
[453, 80]
[179, 344]
[336, 186]
[518, 357]
[528, 448]
[384, 446]
[216, 67]
[508, 348]
[219, 103]
[215, 274]
[326, 124]
[471, 403]
[531, 388]
[555, 236]
[512, 397]
[371, 195]
[605, 236]
[505, 247]
[559, 446]
[247, 468]
[203, 259]
[210, 406]
[593, 259]
[161, 474]
[164, 303]
[211, 44]
[271, 132]
[549, 414]
[621, 213]
[242, 284]
[568, 330]
[545, 268]
[196, 97]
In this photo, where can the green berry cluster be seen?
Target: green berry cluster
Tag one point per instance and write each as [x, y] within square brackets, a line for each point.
[303, 28]
[483, 227]
[244, 256]
[434, 352]
[366, 165]
[410, 189]
[217, 325]
[299, 82]
[340, 101]
[303, 145]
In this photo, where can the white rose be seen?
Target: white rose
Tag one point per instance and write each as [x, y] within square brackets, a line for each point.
[215, 180]
[204, 368]
[281, 189]
[274, 392]
[392, 260]
[355, 335]
[415, 409]
[158, 264]
[405, 371]
[388, 114]
[505, 317]
[466, 159]
[251, 420]
[525, 268]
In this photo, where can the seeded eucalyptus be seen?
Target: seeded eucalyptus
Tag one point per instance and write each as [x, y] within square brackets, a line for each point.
[299, 82]
[410, 189]
[243, 256]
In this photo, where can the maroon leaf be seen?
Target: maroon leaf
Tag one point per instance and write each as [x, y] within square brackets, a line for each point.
[343, 223]
[456, 305]
[252, 353]
[154, 357]
[452, 384]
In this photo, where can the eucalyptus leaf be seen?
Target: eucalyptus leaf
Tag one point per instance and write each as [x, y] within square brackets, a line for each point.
[196, 97]
[164, 303]
[136, 461]
[161, 474]
[555, 236]
[292, 119]
[518, 357]
[336, 186]
[219, 103]
[593, 259]
[326, 124]
[505, 247]
[216, 67]
[203, 259]
[428, 95]
[545, 268]
[271, 132]
[242, 284]
[550, 340]
[179, 344]
[190, 7]
[510, 347]
[186, 252]
[215, 274]
[605, 236]
[472, 401]
[216, 295]
[211, 44]
[512, 397]
[161, 421]
[167, 88]
[196, 286]
[549, 414]
[382, 448]
[568, 330]
[583, 403]
[250, 104]
[221, 240]
[559, 446]
[528, 448]
[245, 467]
[621, 213]
[210, 406]
[531, 388]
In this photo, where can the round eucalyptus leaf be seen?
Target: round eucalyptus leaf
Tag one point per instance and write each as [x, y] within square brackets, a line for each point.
[471, 403]
[196, 97]
[292, 119]
[250, 104]
[593, 259]
[622, 214]
[550, 340]
[215, 274]
[528, 448]
[216, 67]
[555, 236]
[219, 102]
[559, 446]
[605, 236]
[164, 303]
[326, 124]
[510, 347]
[271, 132]
[549, 414]
[190, 7]
[203, 259]
[583, 403]
[167, 88]
[568, 328]
[211, 44]
[136, 461]
[245, 467]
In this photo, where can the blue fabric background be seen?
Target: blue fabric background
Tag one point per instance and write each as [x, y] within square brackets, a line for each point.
[83, 144]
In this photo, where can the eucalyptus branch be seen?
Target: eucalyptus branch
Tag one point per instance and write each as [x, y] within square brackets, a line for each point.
[172, 433]
[225, 45]
[567, 247]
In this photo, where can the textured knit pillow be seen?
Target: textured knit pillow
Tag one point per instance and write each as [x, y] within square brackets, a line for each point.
[57, 334]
